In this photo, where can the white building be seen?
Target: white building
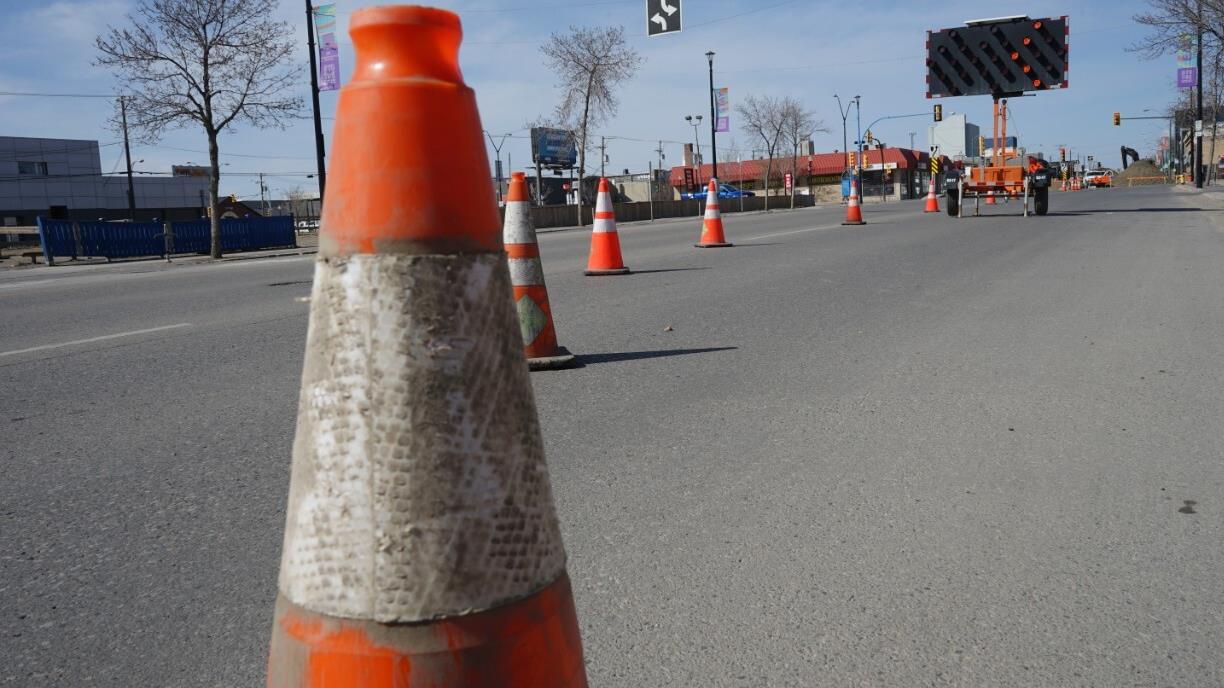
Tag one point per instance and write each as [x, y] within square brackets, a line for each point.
[954, 137]
[63, 178]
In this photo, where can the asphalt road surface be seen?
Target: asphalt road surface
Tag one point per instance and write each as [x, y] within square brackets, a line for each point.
[922, 452]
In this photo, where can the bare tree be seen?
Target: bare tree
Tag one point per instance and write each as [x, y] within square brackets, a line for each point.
[799, 125]
[206, 62]
[764, 118]
[590, 64]
[1172, 21]
[301, 203]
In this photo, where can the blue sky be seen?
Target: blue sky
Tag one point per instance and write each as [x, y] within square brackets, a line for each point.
[809, 49]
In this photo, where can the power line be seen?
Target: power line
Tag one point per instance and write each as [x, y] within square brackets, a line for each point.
[59, 95]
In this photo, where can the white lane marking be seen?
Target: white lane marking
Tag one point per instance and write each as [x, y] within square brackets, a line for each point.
[94, 339]
[793, 231]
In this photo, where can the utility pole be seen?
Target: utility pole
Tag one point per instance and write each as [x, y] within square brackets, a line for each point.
[314, 99]
[661, 156]
[263, 196]
[603, 155]
[127, 152]
[1198, 126]
[713, 119]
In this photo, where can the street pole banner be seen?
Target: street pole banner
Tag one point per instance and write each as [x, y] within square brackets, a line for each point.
[1187, 70]
[662, 16]
[329, 50]
[722, 109]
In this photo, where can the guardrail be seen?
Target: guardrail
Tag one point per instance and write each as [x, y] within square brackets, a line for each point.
[111, 240]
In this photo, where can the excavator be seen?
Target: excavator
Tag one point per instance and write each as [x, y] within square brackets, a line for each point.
[1129, 153]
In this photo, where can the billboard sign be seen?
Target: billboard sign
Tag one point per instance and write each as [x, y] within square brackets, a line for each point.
[1187, 77]
[553, 147]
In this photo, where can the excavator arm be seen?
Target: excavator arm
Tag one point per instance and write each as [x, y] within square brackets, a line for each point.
[1129, 153]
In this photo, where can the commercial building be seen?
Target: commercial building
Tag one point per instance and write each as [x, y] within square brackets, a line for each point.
[955, 137]
[888, 174]
[62, 178]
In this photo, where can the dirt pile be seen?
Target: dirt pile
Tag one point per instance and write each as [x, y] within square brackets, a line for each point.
[1142, 172]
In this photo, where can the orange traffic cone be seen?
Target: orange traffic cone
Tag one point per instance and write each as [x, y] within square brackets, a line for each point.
[527, 276]
[711, 225]
[932, 201]
[421, 543]
[605, 258]
[990, 197]
[1064, 184]
[854, 214]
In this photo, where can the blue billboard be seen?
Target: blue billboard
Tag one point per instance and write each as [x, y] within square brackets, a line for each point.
[553, 147]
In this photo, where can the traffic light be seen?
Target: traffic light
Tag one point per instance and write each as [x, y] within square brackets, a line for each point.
[938, 112]
[869, 137]
[1062, 154]
[850, 159]
[982, 146]
[1117, 119]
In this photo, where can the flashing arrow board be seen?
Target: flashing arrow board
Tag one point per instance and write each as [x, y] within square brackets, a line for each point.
[662, 16]
[998, 58]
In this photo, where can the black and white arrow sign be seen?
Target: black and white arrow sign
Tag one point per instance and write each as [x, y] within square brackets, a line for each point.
[662, 16]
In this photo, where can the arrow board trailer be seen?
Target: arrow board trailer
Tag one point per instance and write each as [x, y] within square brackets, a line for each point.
[662, 17]
[1003, 57]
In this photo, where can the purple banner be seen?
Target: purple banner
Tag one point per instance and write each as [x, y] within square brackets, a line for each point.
[329, 51]
[1187, 77]
[722, 107]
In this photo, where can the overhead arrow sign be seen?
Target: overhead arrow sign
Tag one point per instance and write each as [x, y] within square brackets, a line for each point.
[662, 16]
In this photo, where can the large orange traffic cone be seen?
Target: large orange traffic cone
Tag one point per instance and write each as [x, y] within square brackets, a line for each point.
[711, 225]
[421, 543]
[527, 276]
[932, 201]
[990, 198]
[854, 214]
[605, 258]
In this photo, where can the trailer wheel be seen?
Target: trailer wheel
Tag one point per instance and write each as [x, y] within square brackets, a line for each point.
[1041, 200]
[953, 202]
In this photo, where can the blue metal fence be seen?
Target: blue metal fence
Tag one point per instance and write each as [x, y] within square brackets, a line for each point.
[75, 239]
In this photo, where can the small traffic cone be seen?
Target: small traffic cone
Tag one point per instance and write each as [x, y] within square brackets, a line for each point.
[932, 201]
[990, 197]
[1064, 185]
[421, 543]
[711, 225]
[605, 258]
[527, 276]
[854, 214]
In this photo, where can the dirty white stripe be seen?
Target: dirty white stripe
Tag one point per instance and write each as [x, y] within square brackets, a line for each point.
[518, 229]
[526, 271]
[91, 340]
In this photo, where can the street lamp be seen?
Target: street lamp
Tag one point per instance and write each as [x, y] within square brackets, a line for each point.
[695, 121]
[497, 151]
[713, 117]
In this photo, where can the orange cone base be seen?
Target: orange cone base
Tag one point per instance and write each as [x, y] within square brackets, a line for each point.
[560, 360]
[856, 222]
[613, 271]
[532, 643]
[715, 245]
[932, 206]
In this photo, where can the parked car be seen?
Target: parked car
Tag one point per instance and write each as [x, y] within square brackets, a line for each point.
[724, 191]
[1099, 179]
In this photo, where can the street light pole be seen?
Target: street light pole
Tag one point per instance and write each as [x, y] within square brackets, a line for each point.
[858, 159]
[845, 112]
[695, 121]
[314, 99]
[714, 117]
[497, 152]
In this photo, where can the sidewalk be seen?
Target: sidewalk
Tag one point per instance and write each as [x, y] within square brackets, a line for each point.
[11, 260]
